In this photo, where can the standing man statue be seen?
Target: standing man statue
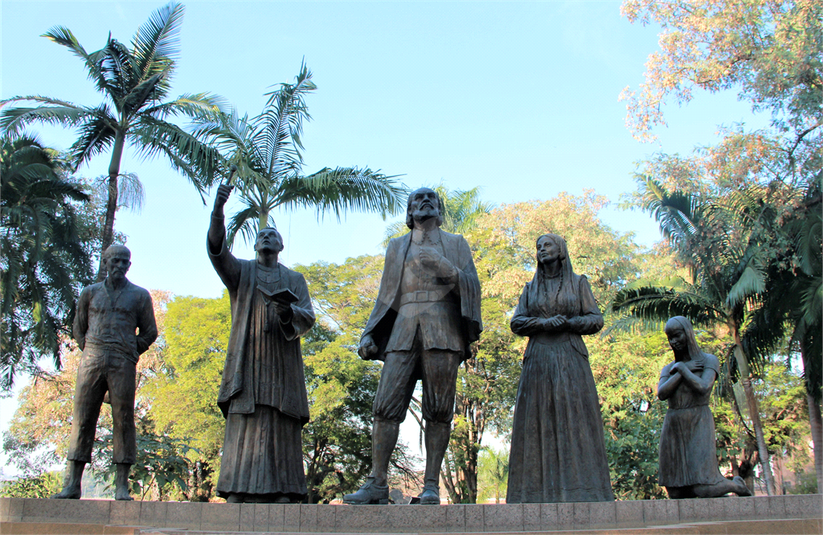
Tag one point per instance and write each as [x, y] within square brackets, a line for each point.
[426, 315]
[109, 314]
[263, 390]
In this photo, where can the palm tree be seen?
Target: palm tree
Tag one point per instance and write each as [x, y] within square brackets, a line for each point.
[727, 282]
[265, 155]
[44, 262]
[794, 299]
[134, 81]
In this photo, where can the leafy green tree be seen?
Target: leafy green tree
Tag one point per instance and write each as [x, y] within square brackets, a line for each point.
[41, 486]
[134, 81]
[492, 474]
[184, 391]
[44, 261]
[769, 52]
[266, 152]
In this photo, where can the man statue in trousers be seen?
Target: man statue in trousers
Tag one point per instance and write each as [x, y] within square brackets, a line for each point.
[426, 315]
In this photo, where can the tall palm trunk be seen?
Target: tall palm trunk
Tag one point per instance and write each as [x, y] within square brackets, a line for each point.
[754, 411]
[815, 420]
[111, 201]
[816, 424]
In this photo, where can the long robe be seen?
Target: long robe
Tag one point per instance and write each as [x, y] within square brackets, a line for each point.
[263, 389]
[687, 441]
[558, 452]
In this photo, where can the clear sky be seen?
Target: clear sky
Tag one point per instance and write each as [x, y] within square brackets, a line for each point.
[520, 99]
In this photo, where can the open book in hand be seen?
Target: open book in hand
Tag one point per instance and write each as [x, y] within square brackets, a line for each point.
[283, 295]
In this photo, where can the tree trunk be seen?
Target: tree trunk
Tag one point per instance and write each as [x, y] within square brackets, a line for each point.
[815, 421]
[111, 201]
[816, 425]
[754, 413]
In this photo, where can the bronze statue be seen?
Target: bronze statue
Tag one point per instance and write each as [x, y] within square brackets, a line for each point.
[108, 315]
[263, 390]
[558, 453]
[688, 463]
[426, 314]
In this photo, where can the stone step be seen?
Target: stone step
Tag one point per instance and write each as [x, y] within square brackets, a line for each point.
[750, 527]
[715, 515]
[47, 528]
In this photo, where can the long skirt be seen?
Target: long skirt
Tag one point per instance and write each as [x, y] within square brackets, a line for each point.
[262, 455]
[687, 448]
[558, 452]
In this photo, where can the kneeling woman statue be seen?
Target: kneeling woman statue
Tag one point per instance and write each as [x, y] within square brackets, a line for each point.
[688, 463]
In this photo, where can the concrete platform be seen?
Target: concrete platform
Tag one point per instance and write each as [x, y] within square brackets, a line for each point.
[779, 514]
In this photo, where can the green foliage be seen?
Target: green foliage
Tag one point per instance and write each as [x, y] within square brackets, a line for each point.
[40, 486]
[184, 392]
[632, 448]
[769, 51]
[44, 261]
[162, 465]
[492, 475]
[341, 386]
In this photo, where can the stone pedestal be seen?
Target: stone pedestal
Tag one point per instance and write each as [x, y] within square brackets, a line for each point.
[779, 514]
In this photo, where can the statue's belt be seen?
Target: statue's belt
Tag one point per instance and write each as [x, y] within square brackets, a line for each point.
[426, 296]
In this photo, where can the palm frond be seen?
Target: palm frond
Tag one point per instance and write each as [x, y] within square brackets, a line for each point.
[96, 136]
[243, 223]
[55, 112]
[64, 36]
[656, 303]
[191, 105]
[674, 211]
[198, 161]
[156, 45]
[139, 95]
[342, 189]
[751, 280]
[280, 125]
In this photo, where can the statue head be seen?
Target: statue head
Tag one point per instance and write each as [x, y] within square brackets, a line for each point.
[423, 203]
[117, 261]
[681, 336]
[551, 247]
[268, 240]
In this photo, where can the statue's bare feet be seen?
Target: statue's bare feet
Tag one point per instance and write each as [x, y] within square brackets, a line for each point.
[122, 494]
[69, 492]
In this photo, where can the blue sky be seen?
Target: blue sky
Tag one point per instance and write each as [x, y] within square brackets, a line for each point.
[520, 99]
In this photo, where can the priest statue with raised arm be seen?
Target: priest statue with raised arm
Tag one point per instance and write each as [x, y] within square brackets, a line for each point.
[263, 389]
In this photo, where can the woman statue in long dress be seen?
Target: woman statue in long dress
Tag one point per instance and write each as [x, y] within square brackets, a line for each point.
[688, 463]
[558, 453]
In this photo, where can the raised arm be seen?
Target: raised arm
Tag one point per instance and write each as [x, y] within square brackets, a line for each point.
[226, 265]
